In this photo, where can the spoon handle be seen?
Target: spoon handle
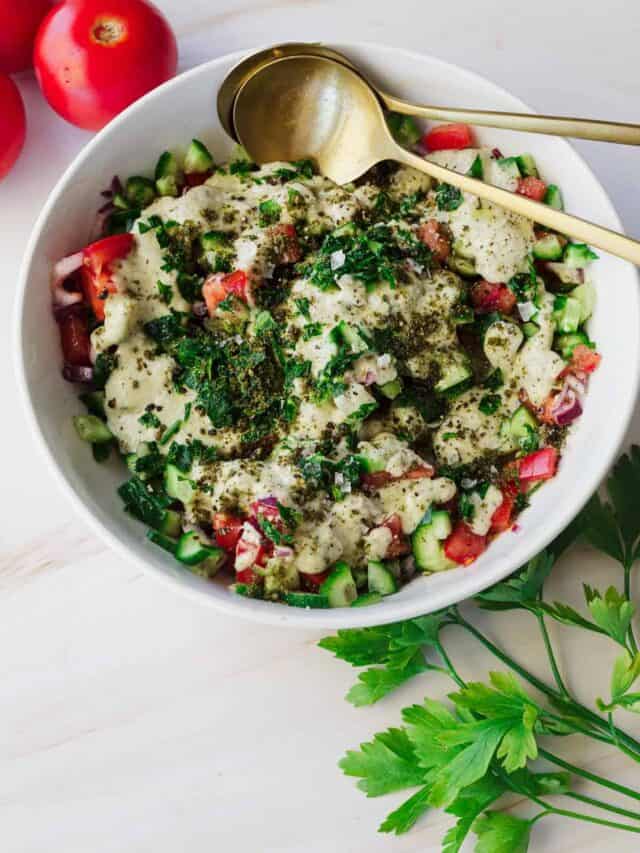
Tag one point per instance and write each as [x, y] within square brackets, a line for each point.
[578, 128]
[579, 229]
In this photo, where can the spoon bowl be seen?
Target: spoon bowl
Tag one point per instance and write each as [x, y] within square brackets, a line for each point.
[312, 107]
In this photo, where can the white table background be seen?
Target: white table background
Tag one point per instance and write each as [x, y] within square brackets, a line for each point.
[132, 719]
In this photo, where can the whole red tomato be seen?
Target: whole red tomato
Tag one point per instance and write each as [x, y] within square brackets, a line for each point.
[95, 57]
[13, 124]
[19, 21]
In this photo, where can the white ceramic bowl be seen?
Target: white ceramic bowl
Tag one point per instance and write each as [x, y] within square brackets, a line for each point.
[168, 118]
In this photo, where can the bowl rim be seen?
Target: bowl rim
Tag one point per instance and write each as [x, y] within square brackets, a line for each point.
[268, 612]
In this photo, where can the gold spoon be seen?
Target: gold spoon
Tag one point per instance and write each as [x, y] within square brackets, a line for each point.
[602, 131]
[311, 106]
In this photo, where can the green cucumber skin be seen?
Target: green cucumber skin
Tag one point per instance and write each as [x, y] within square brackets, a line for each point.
[340, 587]
[90, 428]
[310, 600]
[198, 159]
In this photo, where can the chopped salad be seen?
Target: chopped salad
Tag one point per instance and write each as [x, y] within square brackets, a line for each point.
[321, 392]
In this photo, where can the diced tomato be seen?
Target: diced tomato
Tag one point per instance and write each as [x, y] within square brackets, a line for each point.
[195, 179]
[97, 258]
[399, 545]
[376, 480]
[532, 187]
[419, 473]
[488, 296]
[251, 550]
[227, 529]
[314, 582]
[431, 235]
[463, 546]
[447, 136]
[539, 465]
[74, 333]
[287, 247]
[247, 576]
[218, 286]
[584, 358]
[501, 519]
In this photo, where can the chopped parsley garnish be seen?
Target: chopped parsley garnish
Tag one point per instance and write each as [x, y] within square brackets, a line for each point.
[184, 455]
[494, 380]
[409, 202]
[490, 404]
[336, 478]
[242, 167]
[227, 304]
[272, 532]
[528, 441]
[165, 291]
[448, 197]
[104, 364]
[141, 502]
[303, 305]
[170, 432]
[311, 330]
[466, 506]
[270, 212]
[301, 169]
[149, 419]
[264, 323]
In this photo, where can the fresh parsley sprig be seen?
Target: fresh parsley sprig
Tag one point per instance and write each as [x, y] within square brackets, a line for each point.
[463, 757]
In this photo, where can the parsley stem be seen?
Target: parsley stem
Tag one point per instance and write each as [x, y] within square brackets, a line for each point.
[450, 668]
[552, 658]
[589, 819]
[591, 777]
[628, 565]
[627, 744]
[599, 804]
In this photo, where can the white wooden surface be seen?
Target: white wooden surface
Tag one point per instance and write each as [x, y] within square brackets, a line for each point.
[133, 720]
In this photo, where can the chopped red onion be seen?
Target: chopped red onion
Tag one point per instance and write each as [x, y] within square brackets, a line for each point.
[283, 551]
[566, 407]
[199, 309]
[77, 373]
[496, 153]
[576, 384]
[61, 272]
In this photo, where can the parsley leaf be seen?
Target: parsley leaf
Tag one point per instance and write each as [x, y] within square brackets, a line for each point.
[611, 612]
[375, 683]
[448, 197]
[502, 833]
[490, 403]
[165, 291]
[149, 419]
[405, 816]
[387, 763]
[270, 212]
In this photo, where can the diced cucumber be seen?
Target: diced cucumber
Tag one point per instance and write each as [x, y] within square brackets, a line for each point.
[171, 524]
[380, 579]
[340, 587]
[204, 559]
[454, 379]
[548, 248]
[218, 251]
[477, 169]
[527, 165]
[167, 175]
[164, 541]
[349, 335]
[371, 461]
[578, 255]
[463, 266]
[565, 344]
[566, 313]
[530, 329]
[553, 197]
[522, 424]
[510, 166]
[568, 276]
[427, 540]
[120, 201]
[140, 191]
[309, 600]
[404, 129]
[91, 428]
[177, 484]
[391, 389]
[94, 401]
[367, 599]
[198, 158]
[586, 296]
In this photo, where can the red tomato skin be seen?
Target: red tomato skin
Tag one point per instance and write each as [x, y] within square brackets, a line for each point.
[584, 358]
[19, 22]
[314, 582]
[227, 530]
[488, 296]
[95, 57]
[532, 188]
[399, 545]
[448, 136]
[539, 465]
[431, 235]
[247, 576]
[74, 335]
[501, 519]
[96, 269]
[13, 124]
[286, 239]
[218, 286]
[463, 546]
